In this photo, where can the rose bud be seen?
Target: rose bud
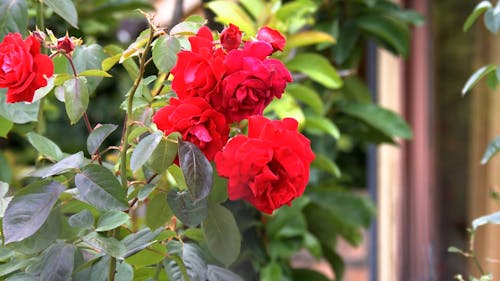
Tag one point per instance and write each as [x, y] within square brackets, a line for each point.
[65, 44]
[230, 38]
[273, 37]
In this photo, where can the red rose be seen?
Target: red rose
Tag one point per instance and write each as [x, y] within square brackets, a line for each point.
[199, 71]
[23, 69]
[270, 167]
[230, 38]
[273, 37]
[65, 44]
[196, 121]
[251, 81]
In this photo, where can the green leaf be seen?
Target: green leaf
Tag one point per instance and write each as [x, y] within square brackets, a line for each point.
[145, 191]
[230, 12]
[308, 37]
[21, 277]
[322, 124]
[83, 219]
[58, 263]
[326, 164]
[384, 120]
[14, 17]
[218, 193]
[45, 146]
[5, 127]
[124, 272]
[480, 8]
[217, 273]
[493, 218]
[478, 75]
[176, 174]
[95, 73]
[491, 150]
[492, 19]
[109, 62]
[14, 265]
[222, 234]
[100, 188]
[29, 209]
[309, 275]
[271, 272]
[165, 53]
[389, 31]
[455, 250]
[164, 154]
[189, 265]
[154, 254]
[97, 137]
[4, 200]
[307, 96]
[185, 209]
[72, 162]
[108, 245]
[346, 42]
[287, 107]
[111, 220]
[88, 57]
[317, 67]
[66, 9]
[157, 211]
[19, 112]
[144, 149]
[76, 98]
[138, 241]
[197, 170]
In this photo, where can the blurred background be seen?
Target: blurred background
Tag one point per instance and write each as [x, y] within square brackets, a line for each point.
[426, 190]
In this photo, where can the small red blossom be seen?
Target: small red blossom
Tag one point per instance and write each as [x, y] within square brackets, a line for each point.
[196, 121]
[230, 38]
[65, 44]
[23, 69]
[270, 167]
[273, 37]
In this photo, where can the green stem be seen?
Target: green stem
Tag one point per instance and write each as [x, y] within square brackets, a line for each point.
[126, 123]
[40, 126]
[40, 20]
[112, 263]
[158, 271]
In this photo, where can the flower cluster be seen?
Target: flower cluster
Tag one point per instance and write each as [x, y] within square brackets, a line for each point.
[23, 69]
[222, 82]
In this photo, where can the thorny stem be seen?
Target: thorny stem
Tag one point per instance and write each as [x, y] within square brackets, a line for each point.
[126, 129]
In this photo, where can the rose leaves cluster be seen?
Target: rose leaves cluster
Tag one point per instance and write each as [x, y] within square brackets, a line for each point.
[23, 69]
[219, 83]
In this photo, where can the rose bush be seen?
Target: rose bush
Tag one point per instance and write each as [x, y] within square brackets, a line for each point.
[23, 69]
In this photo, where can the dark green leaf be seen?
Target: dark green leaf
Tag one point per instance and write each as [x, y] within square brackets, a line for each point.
[58, 263]
[491, 150]
[14, 265]
[218, 193]
[382, 119]
[109, 245]
[21, 277]
[99, 187]
[64, 8]
[309, 275]
[76, 98]
[216, 273]
[19, 112]
[157, 211]
[326, 164]
[387, 30]
[271, 272]
[186, 263]
[307, 96]
[72, 162]
[29, 209]
[145, 191]
[478, 75]
[185, 209]
[164, 154]
[138, 241]
[323, 125]
[5, 127]
[83, 219]
[45, 146]
[197, 170]
[346, 43]
[318, 68]
[88, 57]
[124, 272]
[165, 53]
[111, 220]
[97, 137]
[14, 17]
[335, 261]
[5, 170]
[480, 8]
[222, 234]
[144, 149]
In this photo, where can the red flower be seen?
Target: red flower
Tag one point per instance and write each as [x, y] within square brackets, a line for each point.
[270, 167]
[65, 44]
[198, 72]
[230, 38]
[23, 69]
[251, 81]
[273, 37]
[196, 121]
